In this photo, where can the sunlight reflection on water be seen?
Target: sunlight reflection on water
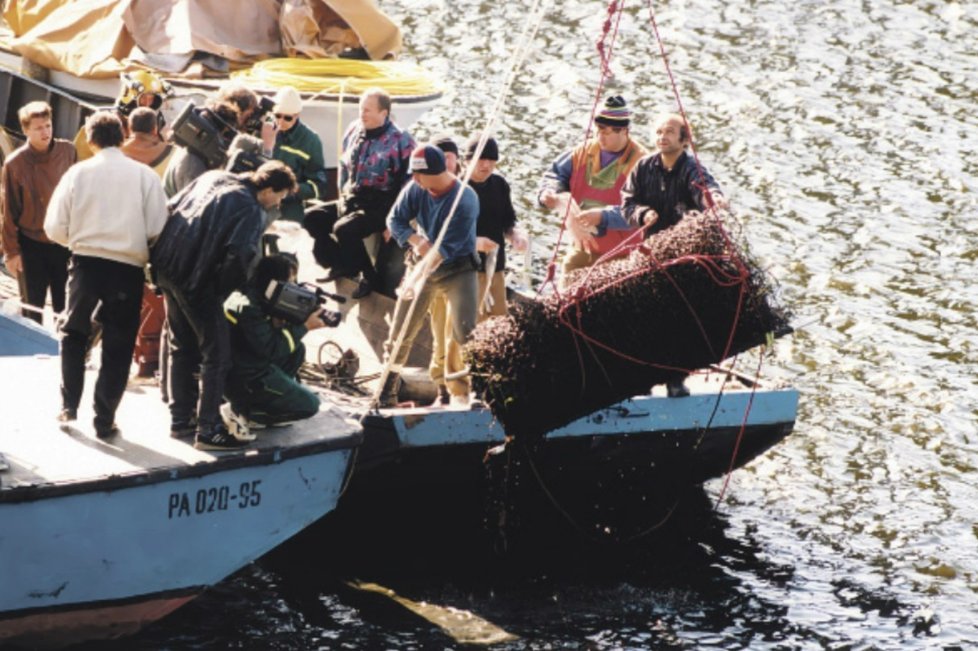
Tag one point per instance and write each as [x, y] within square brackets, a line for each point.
[845, 134]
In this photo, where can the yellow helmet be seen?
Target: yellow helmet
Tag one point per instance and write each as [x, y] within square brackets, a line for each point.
[138, 83]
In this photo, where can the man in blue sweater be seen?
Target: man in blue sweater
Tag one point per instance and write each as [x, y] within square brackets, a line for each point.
[428, 200]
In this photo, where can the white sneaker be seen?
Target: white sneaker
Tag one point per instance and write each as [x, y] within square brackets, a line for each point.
[237, 425]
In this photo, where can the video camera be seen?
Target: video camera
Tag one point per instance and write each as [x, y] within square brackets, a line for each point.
[204, 133]
[295, 302]
[245, 154]
[264, 108]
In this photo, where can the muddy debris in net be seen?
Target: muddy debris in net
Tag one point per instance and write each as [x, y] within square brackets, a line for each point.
[687, 298]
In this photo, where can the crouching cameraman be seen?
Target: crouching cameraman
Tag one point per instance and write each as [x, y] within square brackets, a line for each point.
[263, 388]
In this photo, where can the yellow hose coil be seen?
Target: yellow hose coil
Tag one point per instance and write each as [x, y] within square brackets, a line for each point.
[330, 76]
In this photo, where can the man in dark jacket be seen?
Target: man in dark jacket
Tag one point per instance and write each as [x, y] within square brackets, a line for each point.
[665, 185]
[373, 169]
[205, 252]
[263, 388]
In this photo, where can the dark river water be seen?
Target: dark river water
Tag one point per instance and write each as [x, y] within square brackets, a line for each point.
[845, 134]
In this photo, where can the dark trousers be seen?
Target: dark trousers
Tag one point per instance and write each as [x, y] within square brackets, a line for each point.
[199, 342]
[116, 290]
[275, 395]
[45, 267]
[350, 230]
[319, 222]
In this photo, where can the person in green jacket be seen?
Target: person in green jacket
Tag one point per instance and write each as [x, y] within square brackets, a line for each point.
[300, 148]
[263, 388]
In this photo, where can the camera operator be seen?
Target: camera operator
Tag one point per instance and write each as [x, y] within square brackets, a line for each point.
[267, 351]
[205, 252]
[248, 105]
[187, 162]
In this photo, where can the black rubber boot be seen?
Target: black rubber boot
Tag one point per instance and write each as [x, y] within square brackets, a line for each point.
[388, 395]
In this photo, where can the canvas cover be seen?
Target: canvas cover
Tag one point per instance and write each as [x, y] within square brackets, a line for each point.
[100, 38]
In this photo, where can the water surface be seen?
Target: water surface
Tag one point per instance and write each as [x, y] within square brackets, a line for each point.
[845, 133]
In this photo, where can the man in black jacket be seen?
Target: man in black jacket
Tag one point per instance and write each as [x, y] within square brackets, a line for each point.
[663, 186]
[206, 250]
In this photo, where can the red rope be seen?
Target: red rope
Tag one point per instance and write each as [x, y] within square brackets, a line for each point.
[712, 267]
[740, 434]
[717, 274]
[704, 189]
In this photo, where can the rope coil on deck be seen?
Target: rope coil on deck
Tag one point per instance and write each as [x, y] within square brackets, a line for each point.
[347, 76]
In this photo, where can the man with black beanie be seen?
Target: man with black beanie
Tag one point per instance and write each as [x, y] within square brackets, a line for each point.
[497, 221]
[496, 225]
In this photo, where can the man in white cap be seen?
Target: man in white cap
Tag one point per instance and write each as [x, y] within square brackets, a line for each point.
[300, 148]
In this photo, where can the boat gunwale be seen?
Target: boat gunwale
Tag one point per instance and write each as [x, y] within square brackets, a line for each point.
[51, 88]
[213, 83]
[248, 458]
[204, 84]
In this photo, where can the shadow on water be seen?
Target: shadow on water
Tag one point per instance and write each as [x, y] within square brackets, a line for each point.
[687, 575]
[438, 583]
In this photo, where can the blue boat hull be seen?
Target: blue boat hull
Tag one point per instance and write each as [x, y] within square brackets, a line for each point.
[614, 474]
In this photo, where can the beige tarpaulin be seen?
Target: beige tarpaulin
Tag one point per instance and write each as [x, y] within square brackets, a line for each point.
[235, 30]
[89, 39]
[22, 15]
[322, 28]
[99, 38]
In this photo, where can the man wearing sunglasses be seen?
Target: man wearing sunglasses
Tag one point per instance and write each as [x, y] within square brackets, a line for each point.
[300, 148]
[594, 174]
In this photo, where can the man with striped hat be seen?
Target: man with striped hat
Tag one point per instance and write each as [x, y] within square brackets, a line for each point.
[594, 174]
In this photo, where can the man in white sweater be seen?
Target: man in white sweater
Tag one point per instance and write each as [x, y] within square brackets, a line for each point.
[107, 210]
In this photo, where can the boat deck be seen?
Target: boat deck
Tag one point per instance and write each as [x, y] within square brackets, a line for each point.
[43, 453]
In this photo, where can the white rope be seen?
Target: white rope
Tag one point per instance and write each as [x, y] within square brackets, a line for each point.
[525, 40]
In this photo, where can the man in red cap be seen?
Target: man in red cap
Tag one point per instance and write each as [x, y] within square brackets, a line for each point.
[428, 201]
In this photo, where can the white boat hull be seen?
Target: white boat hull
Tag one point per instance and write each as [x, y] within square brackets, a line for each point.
[328, 114]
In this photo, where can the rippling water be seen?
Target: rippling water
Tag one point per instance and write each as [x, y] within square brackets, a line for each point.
[845, 132]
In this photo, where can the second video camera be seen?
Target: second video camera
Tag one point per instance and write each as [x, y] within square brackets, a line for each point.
[295, 302]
